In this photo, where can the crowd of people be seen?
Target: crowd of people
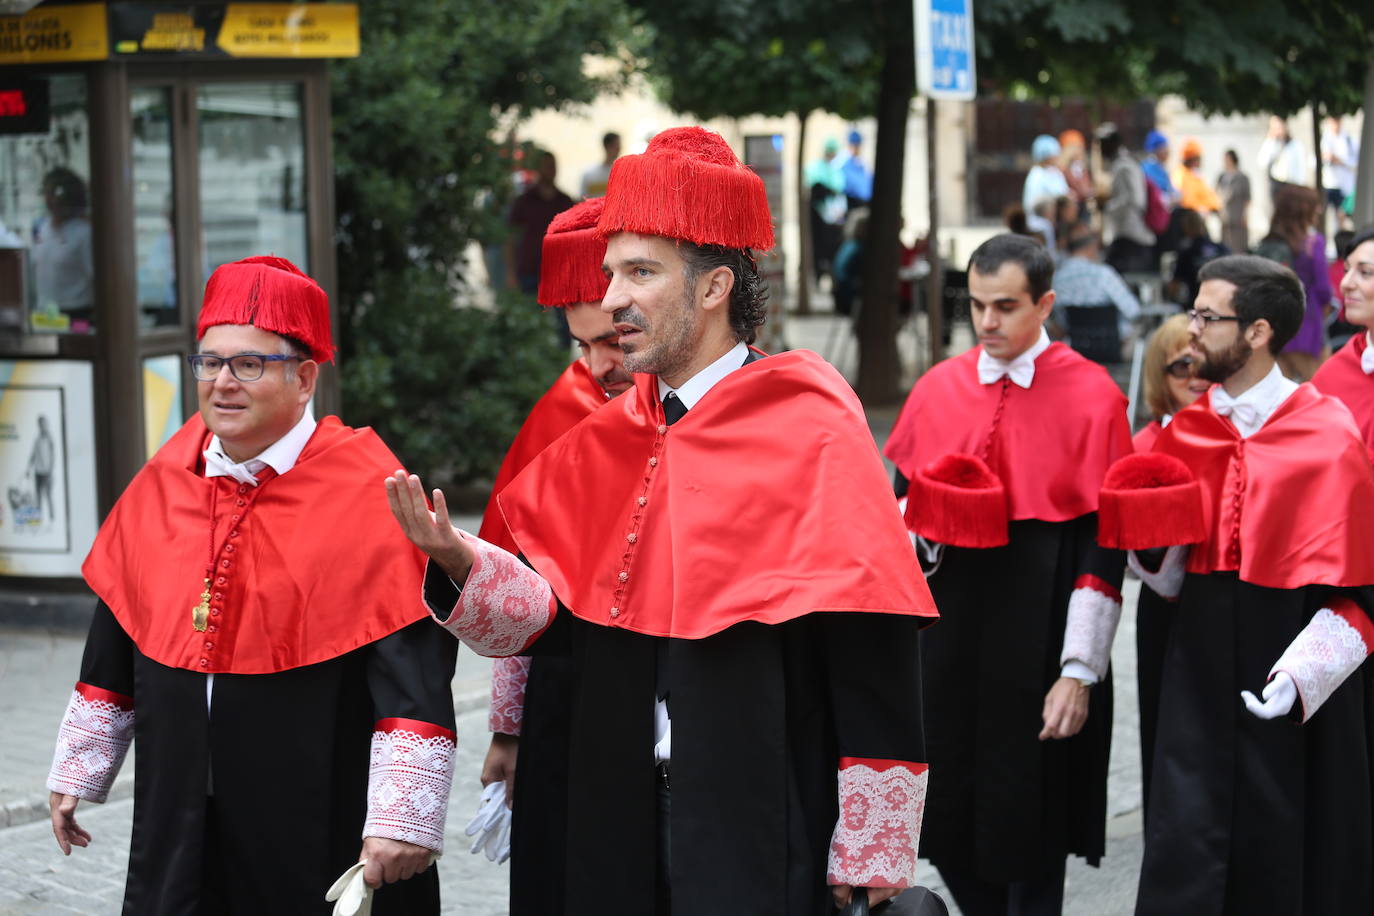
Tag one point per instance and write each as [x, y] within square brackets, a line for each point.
[739, 669]
[1153, 221]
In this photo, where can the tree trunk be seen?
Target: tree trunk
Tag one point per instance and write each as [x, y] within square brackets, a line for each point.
[807, 260]
[880, 368]
[935, 281]
[1364, 180]
[1317, 181]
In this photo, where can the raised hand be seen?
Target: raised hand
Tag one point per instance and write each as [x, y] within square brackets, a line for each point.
[432, 532]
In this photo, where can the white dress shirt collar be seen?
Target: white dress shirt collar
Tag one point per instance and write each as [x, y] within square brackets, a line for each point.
[695, 388]
[1253, 407]
[1021, 369]
[1367, 357]
[280, 456]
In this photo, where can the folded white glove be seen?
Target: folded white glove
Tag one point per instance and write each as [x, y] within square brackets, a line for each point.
[1279, 696]
[353, 896]
[491, 824]
[1167, 581]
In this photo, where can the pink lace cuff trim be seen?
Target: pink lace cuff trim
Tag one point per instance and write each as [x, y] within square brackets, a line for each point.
[1094, 612]
[408, 782]
[508, 677]
[91, 743]
[879, 829]
[503, 606]
[1334, 643]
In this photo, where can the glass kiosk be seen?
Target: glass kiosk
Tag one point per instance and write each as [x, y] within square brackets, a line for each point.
[141, 146]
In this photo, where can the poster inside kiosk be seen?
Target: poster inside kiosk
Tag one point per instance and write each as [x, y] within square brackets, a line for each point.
[47, 467]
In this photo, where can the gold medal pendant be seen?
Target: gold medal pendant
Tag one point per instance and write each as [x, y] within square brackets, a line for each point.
[200, 614]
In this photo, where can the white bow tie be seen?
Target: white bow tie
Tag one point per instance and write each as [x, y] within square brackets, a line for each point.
[991, 369]
[1367, 359]
[1242, 413]
[220, 463]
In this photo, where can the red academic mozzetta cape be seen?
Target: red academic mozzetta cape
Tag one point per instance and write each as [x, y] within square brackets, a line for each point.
[1342, 377]
[282, 595]
[1310, 446]
[1046, 476]
[655, 531]
[573, 395]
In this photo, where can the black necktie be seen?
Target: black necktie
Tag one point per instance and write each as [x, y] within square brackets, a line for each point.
[673, 408]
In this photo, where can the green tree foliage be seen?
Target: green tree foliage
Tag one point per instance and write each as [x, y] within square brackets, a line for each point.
[1222, 56]
[419, 174]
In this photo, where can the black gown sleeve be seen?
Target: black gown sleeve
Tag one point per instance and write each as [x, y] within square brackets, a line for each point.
[899, 483]
[409, 673]
[108, 660]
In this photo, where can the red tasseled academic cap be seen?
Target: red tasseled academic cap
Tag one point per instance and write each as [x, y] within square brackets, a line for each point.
[1149, 500]
[570, 271]
[958, 500]
[269, 293]
[688, 185]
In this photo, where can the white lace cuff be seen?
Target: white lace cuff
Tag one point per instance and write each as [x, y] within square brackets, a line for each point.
[879, 829]
[91, 743]
[1167, 581]
[502, 607]
[408, 782]
[1094, 612]
[508, 677]
[1328, 650]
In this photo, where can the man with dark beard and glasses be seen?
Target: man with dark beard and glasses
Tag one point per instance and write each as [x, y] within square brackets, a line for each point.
[1248, 814]
[719, 553]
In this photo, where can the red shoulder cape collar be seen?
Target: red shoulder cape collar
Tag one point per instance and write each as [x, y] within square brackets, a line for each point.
[1288, 506]
[1053, 441]
[315, 570]
[766, 502]
[573, 395]
[1342, 377]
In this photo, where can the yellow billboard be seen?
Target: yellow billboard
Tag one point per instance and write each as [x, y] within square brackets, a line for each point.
[55, 34]
[290, 30]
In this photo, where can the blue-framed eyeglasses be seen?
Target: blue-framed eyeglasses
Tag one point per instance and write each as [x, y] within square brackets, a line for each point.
[246, 367]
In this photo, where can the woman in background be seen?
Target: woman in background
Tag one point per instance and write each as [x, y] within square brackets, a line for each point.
[1293, 240]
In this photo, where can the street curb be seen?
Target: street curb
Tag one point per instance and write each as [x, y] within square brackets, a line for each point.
[19, 813]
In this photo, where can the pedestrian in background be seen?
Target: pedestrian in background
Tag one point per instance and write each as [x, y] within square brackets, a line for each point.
[1349, 374]
[1044, 181]
[1156, 167]
[1074, 165]
[1294, 242]
[1281, 158]
[1130, 243]
[594, 179]
[1233, 187]
[1193, 191]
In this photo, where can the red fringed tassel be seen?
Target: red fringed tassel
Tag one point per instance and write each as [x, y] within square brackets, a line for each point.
[272, 294]
[570, 271]
[957, 500]
[1148, 501]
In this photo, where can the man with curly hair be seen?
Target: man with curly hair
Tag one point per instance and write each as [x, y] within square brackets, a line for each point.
[719, 551]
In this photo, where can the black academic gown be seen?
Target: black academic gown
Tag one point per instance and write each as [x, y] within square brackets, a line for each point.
[1004, 805]
[1154, 617]
[761, 717]
[1249, 815]
[288, 755]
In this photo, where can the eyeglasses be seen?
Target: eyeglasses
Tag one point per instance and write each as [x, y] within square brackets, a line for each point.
[1208, 317]
[1181, 367]
[246, 367]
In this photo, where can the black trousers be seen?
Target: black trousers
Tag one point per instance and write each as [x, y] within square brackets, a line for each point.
[1042, 896]
[664, 887]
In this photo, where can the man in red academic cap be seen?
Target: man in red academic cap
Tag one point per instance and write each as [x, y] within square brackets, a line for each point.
[287, 706]
[531, 697]
[1248, 814]
[1349, 374]
[1005, 448]
[719, 552]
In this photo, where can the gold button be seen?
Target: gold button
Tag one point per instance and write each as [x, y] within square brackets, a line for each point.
[643, 501]
[662, 429]
[615, 612]
[631, 537]
[624, 576]
[653, 462]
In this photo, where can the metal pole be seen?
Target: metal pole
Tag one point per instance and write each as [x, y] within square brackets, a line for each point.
[1364, 188]
[935, 300]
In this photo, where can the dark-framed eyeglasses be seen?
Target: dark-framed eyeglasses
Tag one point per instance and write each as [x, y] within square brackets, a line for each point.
[246, 367]
[1208, 317]
[1181, 367]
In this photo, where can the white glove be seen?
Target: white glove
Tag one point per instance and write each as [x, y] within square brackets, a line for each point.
[1167, 581]
[1279, 696]
[491, 824]
[352, 893]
